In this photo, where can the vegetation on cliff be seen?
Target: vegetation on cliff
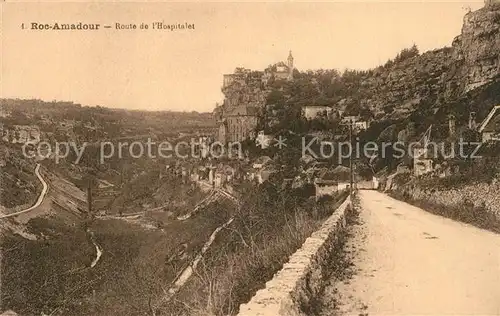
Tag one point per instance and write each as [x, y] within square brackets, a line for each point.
[269, 226]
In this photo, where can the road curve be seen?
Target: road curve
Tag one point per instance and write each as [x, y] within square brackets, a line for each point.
[411, 262]
[97, 248]
[40, 197]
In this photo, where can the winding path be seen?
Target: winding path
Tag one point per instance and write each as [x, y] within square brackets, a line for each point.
[97, 248]
[40, 197]
[190, 269]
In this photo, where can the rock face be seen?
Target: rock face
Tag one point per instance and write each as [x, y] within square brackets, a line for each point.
[412, 82]
[407, 84]
[437, 77]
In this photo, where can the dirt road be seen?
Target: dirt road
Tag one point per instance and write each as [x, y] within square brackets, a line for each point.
[410, 262]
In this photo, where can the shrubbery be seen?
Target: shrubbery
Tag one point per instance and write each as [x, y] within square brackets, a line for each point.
[268, 228]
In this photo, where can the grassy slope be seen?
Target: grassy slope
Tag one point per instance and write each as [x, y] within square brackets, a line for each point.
[136, 265]
[268, 228]
[18, 182]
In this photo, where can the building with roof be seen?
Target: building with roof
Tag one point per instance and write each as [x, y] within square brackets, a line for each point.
[423, 158]
[358, 124]
[329, 182]
[325, 188]
[279, 71]
[241, 122]
[490, 127]
[313, 111]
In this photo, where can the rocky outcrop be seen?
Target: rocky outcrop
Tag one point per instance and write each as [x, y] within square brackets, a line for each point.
[426, 82]
[478, 47]
[244, 87]
[437, 77]
[406, 85]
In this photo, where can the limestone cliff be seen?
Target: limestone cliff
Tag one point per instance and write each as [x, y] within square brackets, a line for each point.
[427, 83]
[444, 75]
[437, 77]
[477, 49]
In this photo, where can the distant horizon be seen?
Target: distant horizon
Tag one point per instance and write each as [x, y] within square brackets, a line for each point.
[181, 71]
[103, 106]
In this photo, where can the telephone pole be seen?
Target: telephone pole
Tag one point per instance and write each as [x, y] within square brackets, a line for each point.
[351, 122]
[351, 177]
[89, 199]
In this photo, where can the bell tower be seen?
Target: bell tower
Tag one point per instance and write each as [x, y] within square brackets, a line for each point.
[290, 66]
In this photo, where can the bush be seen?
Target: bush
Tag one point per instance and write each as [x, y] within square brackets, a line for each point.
[407, 53]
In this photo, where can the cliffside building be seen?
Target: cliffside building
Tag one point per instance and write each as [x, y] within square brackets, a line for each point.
[279, 71]
[245, 93]
[241, 123]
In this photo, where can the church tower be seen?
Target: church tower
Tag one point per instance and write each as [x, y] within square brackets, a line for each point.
[290, 66]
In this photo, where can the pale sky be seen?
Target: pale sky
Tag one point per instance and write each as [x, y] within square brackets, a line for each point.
[182, 70]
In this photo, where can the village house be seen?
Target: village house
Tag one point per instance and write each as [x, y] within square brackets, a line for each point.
[314, 170]
[490, 127]
[325, 185]
[21, 134]
[241, 123]
[357, 123]
[261, 169]
[343, 176]
[311, 112]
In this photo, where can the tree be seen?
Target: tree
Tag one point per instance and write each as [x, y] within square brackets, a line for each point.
[275, 97]
[407, 53]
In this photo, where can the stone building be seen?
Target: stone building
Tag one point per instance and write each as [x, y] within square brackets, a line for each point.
[241, 122]
[423, 158]
[358, 124]
[313, 111]
[280, 70]
[245, 93]
[490, 127]
[21, 134]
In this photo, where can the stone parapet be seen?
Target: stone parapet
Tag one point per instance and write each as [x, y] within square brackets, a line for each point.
[300, 280]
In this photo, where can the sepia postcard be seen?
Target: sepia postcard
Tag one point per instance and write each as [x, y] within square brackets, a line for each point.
[281, 158]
